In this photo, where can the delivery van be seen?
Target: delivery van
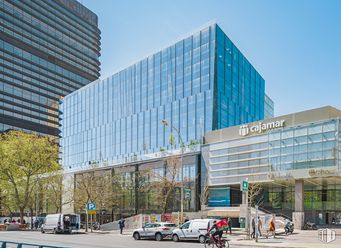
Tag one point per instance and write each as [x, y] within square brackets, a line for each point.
[61, 223]
[193, 230]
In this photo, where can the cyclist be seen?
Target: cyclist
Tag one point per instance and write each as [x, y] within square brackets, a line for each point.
[217, 231]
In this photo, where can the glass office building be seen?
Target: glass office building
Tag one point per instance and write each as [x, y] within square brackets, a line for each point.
[269, 106]
[200, 83]
[48, 49]
[296, 159]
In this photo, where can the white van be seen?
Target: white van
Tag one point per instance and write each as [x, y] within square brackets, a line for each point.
[192, 230]
[61, 223]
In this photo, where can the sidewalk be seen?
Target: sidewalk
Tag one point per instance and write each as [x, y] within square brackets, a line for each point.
[300, 239]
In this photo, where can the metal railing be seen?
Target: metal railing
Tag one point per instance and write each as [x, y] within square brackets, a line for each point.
[9, 244]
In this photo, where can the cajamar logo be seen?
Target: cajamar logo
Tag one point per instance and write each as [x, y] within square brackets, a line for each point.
[245, 130]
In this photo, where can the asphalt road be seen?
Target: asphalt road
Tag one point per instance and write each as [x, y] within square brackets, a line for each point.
[92, 240]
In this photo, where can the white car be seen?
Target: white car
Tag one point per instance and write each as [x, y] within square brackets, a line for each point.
[193, 230]
[157, 231]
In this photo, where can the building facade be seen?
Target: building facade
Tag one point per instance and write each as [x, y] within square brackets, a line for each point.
[295, 158]
[158, 107]
[269, 107]
[48, 49]
[199, 84]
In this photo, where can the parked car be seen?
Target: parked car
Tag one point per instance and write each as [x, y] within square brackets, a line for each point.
[157, 231]
[61, 223]
[192, 230]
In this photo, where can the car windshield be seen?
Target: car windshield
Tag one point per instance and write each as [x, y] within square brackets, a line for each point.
[170, 225]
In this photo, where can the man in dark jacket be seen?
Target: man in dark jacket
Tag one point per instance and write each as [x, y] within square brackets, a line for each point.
[121, 225]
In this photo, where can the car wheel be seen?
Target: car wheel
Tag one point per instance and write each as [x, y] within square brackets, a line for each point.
[158, 237]
[202, 239]
[175, 238]
[136, 236]
[208, 243]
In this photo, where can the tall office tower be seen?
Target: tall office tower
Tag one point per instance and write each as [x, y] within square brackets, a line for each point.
[269, 107]
[48, 49]
[200, 83]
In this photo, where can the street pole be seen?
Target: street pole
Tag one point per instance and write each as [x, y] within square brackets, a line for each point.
[182, 188]
[87, 220]
[91, 222]
[256, 223]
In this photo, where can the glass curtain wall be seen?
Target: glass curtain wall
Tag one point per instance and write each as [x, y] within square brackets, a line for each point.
[239, 88]
[309, 146]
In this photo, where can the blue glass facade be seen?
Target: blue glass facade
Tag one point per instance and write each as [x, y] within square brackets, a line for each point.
[269, 111]
[199, 84]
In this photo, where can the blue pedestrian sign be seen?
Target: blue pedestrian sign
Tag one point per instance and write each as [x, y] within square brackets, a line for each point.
[91, 206]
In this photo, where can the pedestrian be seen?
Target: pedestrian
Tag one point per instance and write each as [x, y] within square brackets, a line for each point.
[260, 226]
[36, 223]
[272, 228]
[253, 224]
[186, 219]
[121, 225]
[230, 225]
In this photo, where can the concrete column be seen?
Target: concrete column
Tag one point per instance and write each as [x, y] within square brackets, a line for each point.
[298, 215]
[68, 193]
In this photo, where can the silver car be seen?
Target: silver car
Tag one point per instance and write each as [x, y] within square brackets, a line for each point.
[157, 231]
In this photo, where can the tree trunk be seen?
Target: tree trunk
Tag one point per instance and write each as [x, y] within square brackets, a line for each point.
[21, 215]
[165, 203]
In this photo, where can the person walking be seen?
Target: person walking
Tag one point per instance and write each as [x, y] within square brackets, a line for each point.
[121, 225]
[260, 226]
[230, 225]
[272, 228]
[186, 219]
[253, 224]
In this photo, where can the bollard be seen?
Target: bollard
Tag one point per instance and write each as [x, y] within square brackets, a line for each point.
[3, 245]
[19, 245]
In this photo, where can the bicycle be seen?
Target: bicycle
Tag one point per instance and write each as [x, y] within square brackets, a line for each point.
[210, 243]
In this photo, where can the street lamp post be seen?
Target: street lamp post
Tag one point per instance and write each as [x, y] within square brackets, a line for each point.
[167, 124]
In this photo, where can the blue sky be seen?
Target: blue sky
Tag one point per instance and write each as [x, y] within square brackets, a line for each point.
[294, 44]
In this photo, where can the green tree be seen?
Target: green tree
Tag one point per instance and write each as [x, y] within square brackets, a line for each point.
[25, 159]
[93, 186]
[164, 185]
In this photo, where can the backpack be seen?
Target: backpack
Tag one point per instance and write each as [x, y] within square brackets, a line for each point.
[222, 224]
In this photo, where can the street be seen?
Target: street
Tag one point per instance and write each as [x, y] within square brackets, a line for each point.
[92, 240]
[301, 239]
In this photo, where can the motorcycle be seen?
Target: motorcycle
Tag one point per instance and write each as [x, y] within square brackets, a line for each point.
[309, 226]
[289, 228]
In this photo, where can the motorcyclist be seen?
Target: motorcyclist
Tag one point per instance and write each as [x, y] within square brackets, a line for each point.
[287, 226]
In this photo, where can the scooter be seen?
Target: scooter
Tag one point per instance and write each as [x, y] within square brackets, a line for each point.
[309, 226]
[289, 228]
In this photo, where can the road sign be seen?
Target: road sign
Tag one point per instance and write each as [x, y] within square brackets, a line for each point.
[91, 206]
[244, 186]
[91, 211]
[188, 194]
